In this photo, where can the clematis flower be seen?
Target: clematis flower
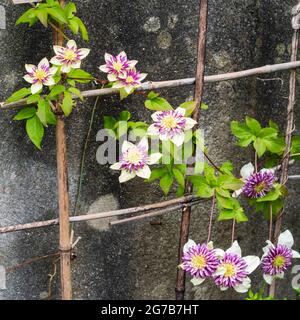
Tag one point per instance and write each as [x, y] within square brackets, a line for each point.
[170, 125]
[69, 57]
[135, 161]
[234, 269]
[116, 65]
[40, 75]
[129, 80]
[257, 184]
[277, 258]
[199, 260]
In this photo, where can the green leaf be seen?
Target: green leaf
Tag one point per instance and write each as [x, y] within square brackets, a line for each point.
[189, 107]
[227, 167]
[73, 25]
[240, 216]
[27, 17]
[42, 15]
[80, 76]
[56, 91]
[76, 92]
[204, 106]
[197, 180]
[25, 113]
[253, 125]
[275, 145]
[152, 95]
[179, 177]
[157, 174]
[82, 28]
[264, 207]
[223, 193]
[260, 146]
[226, 203]
[270, 196]
[226, 215]
[242, 132]
[268, 133]
[209, 174]
[158, 104]
[124, 94]
[204, 190]
[71, 82]
[67, 104]
[109, 122]
[41, 112]
[35, 131]
[121, 128]
[165, 183]
[57, 14]
[273, 125]
[237, 214]
[70, 9]
[125, 115]
[34, 98]
[230, 182]
[180, 191]
[18, 95]
[50, 116]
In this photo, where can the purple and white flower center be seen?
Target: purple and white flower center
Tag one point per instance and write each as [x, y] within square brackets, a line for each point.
[134, 158]
[170, 122]
[40, 74]
[278, 259]
[234, 271]
[200, 261]
[117, 64]
[70, 55]
[259, 184]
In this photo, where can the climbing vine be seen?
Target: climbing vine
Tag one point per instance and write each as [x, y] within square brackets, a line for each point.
[55, 83]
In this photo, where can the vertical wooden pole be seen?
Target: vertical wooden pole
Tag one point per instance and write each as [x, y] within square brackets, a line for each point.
[63, 197]
[289, 124]
[186, 212]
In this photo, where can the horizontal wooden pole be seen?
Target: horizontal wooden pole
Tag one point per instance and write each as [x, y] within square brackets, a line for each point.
[94, 216]
[175, 83]
[156, 213]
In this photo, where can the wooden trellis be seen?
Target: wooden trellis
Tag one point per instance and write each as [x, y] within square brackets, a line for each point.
[185, 203]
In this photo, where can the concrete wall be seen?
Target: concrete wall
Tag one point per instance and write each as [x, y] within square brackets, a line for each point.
[137, 261]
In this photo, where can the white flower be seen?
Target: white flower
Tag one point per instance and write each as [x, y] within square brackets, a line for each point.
[256, 185]
[40, 75]
[277, 258]
[171, 125]
[135, 161]
[116, 65]
[69, 57]
[234, 269]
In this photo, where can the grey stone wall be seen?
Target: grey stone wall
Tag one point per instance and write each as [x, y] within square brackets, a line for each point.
[137, 261]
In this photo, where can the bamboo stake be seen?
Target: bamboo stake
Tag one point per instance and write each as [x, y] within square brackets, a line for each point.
[289, 125]
[186, 212]
[152, 85]
[94, 216]
[63, 196]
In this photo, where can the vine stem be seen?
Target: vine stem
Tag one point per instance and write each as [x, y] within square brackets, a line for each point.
[289, 128]
[82, 162]
[255, 162]
[213, 203]
[271, 223]
[186, 212]
[233, 231]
